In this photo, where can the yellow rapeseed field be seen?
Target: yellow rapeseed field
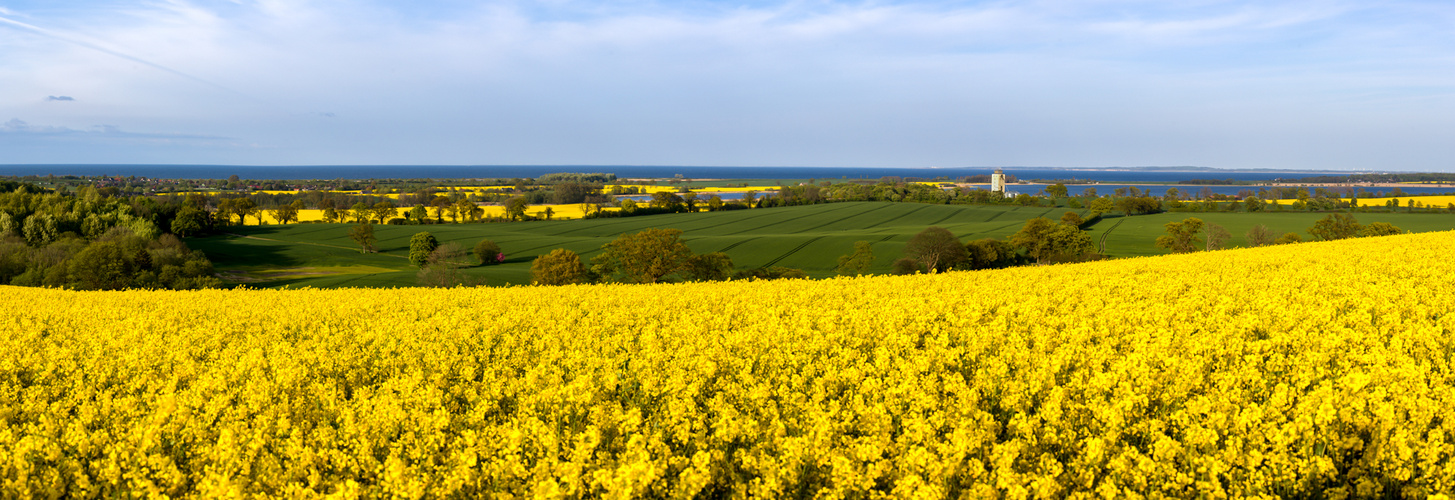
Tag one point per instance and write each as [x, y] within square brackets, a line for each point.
[1435, 201]
[1311, 370]
[569, 211]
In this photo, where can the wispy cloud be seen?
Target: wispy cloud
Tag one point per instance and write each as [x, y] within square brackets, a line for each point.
[17, 127]
[100, 47]
[60, 98]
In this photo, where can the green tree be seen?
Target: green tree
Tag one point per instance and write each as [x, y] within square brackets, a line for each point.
[560, 267]
[570, 192]
[1047, 241]
[243, 208]
[1380, 229]
[1288, 238]
[363, 235]
[1335, 227]
[466, 210]
[988, 253]
[285, 213]
[384, 210]
[488, 252]
[856, 263]
[420, 246]
[667, 200]
[1072, 219]
[418, 214]
[1253, 204]
[1057, 190]
[515, 208]
[361, 213]
[190, 221]
[937, 249]
[1182, 236]
[40, 229]
[715, 266]
[714, 203]
[646, 256]
[1100, 206]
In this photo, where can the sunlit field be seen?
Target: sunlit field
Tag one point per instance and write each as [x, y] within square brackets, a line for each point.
[1313, 370]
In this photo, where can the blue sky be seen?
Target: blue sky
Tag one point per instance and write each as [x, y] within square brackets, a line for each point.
[1308, 85]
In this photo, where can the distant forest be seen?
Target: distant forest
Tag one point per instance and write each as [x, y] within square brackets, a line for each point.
[1377, 178]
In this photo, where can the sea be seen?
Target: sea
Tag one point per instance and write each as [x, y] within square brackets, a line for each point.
[1106, 179]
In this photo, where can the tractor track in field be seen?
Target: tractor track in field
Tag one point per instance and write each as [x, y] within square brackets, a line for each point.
[736, 243]
[557, 244]
[945, 218]
[836, 221]
[1101, 242]
[772, 224]
[286, 242]
[901, 216]
[575, 229]
[801, 246]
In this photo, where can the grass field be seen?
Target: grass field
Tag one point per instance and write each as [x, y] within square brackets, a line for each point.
[1137, 236]
[805, 237]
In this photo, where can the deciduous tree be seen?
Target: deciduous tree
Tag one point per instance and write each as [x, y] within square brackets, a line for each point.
[515, 208]
[645, 257]
[1217, 236]
[420, 246]
[1072, 219]
[937, 249]
[1288, 238]
[363, 234]
[858, 262]
[384, 210]
[488, 252]
[1259, 235]
[445, 266]
[1047, 241]
[715, 266]
[1182, 236]
[1335, 227]
[560, 267]
[1380, 229]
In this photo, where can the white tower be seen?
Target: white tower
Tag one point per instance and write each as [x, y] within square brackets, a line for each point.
[997, 182]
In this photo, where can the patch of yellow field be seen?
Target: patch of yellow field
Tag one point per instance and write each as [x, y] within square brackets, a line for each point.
[560, 212]
[735, 189]
[1294, 371]
[1440, 201]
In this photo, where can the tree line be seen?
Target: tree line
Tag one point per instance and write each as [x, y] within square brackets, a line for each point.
[659, 255]
[1193, 234]
[90, 241]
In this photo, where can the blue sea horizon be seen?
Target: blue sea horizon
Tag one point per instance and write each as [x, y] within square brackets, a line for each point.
[362, 172]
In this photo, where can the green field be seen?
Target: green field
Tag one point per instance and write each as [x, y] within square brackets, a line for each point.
[1137, 236]
[804, 237]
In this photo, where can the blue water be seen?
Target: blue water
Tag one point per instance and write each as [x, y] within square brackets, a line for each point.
[624, 171]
